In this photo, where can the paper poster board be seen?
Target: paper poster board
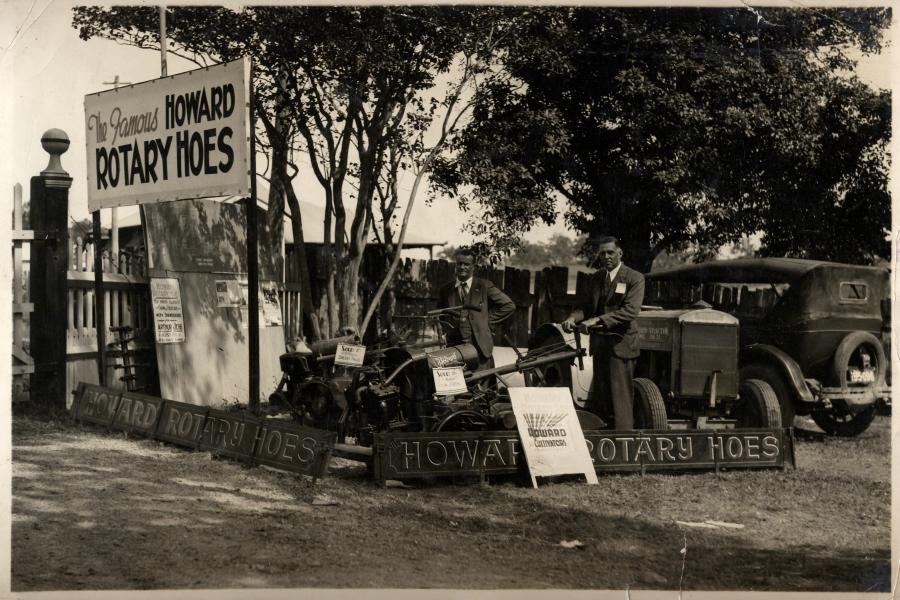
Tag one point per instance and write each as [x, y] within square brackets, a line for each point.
[172, 138]
[551, 435]
[168, 318]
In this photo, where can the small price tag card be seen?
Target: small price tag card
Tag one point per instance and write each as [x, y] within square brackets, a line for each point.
[449, 381]
[349, 355]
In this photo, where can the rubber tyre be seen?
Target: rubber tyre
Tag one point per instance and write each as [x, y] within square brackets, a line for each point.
[759, 405]
[842, 423]
[779, 386]
[649, 408]
[844, 353]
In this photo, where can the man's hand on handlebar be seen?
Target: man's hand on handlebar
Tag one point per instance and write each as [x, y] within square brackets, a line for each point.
[585, 327]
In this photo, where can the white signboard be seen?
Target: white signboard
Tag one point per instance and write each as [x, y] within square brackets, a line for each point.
[551, 435]
[184, 136]
[449, 381]
[167, 314]
[349, 355]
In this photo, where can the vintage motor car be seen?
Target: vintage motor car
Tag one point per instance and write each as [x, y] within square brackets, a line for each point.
[816, 331]
[685, 378]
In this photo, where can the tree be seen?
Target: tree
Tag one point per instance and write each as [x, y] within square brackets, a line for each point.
[669, 127]
[351, 84]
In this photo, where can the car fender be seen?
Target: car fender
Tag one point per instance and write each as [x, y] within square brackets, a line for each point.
[782, 361]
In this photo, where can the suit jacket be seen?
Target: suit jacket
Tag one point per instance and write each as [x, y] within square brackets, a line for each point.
[617, 305]
[475, 326]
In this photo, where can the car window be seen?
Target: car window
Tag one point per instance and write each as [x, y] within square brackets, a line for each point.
[854, 292]
[741, 299]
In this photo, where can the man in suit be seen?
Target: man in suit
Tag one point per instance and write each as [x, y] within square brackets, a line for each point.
[474, 326]
[609, 315]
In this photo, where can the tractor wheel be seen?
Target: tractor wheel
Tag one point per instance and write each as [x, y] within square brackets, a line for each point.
[858, 352]
[759, 405]
[779, 386]
[649, 408]
[842, 422]
[463, 420]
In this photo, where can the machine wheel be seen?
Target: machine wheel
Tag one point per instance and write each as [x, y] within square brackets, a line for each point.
[842, 422]
[856, 351]
[759, 405]
[779, 386]
[649, 408]
[463, 420]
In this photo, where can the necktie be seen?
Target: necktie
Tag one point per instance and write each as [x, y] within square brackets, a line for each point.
[463, 292]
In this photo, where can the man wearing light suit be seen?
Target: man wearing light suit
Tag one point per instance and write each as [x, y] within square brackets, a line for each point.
[474, 326]
[610, 317]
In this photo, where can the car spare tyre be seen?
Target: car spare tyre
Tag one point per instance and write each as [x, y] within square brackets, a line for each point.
[859, 361]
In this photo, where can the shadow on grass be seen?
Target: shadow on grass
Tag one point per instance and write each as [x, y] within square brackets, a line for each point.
[98, 511]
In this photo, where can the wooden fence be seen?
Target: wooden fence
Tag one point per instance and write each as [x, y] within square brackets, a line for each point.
[540, 296]
[126, 302]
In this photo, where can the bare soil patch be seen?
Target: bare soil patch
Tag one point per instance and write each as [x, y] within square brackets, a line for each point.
[97, 510]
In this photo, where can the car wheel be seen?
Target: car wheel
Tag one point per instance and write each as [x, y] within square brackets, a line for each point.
[649, 408]
[779, 386]
[859, 361]
[842, 422]
[759, 405]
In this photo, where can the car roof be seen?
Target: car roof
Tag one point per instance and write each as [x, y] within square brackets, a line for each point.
[753, 270]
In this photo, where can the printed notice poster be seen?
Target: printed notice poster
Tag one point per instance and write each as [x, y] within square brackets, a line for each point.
[228, 293]
[349, 355]
[167, 314]
[551, 434]
[449, 381]
[172, 138]
[269, 306]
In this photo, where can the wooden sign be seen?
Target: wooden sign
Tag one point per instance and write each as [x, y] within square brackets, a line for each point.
[350, 355]
[409, 455]
[176, 137]
[272, 442]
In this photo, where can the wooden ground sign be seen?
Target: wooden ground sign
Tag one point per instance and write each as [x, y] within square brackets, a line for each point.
[409, 455]
[271, 442]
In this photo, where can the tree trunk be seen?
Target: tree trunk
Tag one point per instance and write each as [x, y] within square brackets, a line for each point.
[302, 264]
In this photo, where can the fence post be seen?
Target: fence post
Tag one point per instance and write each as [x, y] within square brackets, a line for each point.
[49, 266]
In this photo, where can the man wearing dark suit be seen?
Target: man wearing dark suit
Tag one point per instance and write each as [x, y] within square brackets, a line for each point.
[609, 315]
[474, 326]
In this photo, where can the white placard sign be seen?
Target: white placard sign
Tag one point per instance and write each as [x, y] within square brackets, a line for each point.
[449, 381]
[349, 355]
[551, 434]
[167, 315]
[184, 136]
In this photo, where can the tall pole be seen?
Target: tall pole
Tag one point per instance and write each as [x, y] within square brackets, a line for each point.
[164, 71]
[253, 263]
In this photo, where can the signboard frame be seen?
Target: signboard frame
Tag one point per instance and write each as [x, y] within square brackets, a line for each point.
[403, 455]
[224, 433]
[108, 127]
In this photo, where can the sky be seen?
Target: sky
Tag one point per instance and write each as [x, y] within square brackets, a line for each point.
[51, 70]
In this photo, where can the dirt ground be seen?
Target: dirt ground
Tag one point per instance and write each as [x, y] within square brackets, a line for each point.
[96, 510]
